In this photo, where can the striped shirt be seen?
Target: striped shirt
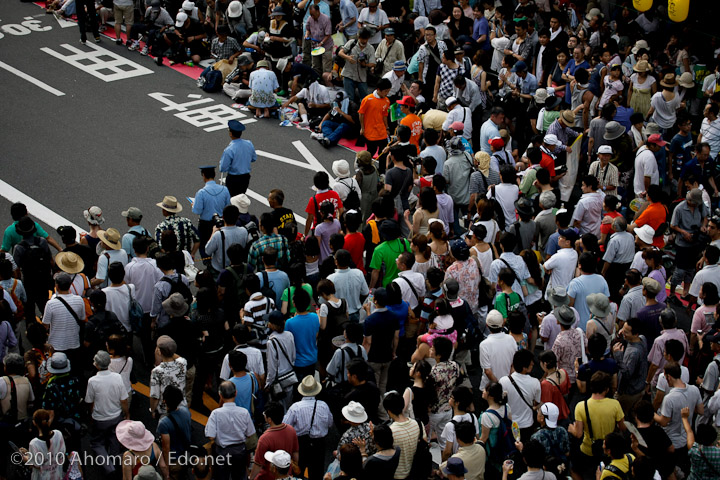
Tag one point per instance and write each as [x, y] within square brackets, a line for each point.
[300, 417]
[710, 132]
[64, 329]
[405, 435]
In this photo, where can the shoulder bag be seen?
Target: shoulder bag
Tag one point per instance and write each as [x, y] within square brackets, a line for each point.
[286, 379]
[596, 446]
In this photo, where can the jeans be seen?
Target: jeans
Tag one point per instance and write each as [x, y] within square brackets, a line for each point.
[103, 442]
[333, 131]
[458, 211]
[83, 20]
[351, 85]
[437, 423]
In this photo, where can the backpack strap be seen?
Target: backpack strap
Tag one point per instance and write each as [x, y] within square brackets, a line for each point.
[183, 437]
[72, 312]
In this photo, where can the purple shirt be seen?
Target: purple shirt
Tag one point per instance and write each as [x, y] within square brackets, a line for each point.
[480, 28]
[649, 317]
[319, 29]
[656, 355]
[661, 278]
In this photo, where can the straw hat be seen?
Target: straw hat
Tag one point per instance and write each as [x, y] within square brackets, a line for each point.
[110, 237]
[568, 117]
[69, 262]
[309, 387]
[170, 204]
[642, 66]
[686, 80]
[669, 80]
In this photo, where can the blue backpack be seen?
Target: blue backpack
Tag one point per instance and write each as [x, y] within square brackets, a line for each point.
[213, 80]
[504, 444]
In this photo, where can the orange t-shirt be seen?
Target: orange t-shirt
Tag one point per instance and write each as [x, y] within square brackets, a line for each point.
[415, 124]
[654, 215]
[374, 109]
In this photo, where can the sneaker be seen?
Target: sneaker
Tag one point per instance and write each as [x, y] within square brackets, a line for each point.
[102, 28]
[316, 136]
[118, 41]
[325, 143]
[145, 50]
[97, 39]
[82, 41]
[134, 46]
[304, 124]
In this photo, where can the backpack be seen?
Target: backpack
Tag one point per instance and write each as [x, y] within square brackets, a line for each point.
[352, 201]
[486, 294]
[36, 261]
[153, 247]
[213, 80]
[617, 472]
[253, 234]
[178, 286]
[135, 313]
[422, 461]
[236, 297]
[267, 287]
[504, 444]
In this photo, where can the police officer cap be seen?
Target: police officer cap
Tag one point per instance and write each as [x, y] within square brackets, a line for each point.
[236, 126]
[207, 167]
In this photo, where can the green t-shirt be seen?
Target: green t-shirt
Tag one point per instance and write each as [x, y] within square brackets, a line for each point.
[527, 186]
[385, 254]
[12, 238]
[501, 303]
[291, 305]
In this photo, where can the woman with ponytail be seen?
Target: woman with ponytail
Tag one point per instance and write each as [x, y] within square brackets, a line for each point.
[490, 422]
[423, 254]
[46, 453]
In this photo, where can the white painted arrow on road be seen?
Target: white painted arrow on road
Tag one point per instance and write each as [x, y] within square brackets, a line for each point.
[311, 163]
[65, 23]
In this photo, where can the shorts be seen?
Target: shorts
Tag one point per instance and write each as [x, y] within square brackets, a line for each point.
[584, 465]
[126, 13]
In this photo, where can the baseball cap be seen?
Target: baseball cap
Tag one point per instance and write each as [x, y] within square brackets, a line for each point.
[605, 149]
[657, 139]
[651, 285]
[457, 126]
[180, 19]
[551, 413]
[407, 100]
[133, 213]
[496, 142]
[279, 458]
[551, 139]
[451, 287]
[519, 67]
[712, 337]
[450, 101]
[569, 234]
[494, 319]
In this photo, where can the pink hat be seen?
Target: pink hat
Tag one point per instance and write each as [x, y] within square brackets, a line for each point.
[657, 139]
[133, 435]
[457, 126]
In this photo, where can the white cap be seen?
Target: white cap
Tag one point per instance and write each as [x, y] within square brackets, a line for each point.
[279, 458]
[242, 202]
[450, 100]
[645, 233]
[605, 149]
[188, 5]
[181, 19]
[551, 413]
[494, 319]
[551, 139]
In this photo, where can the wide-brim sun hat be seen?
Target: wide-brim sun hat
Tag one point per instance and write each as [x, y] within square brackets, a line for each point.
[110, 237]
[235, 9]
[309, 387]
[598, 304]
[69, 262]
[645, 233]
[568, 117]
[613, 130]
[354, 412]
[642, 66]
[134, 436]
[686, 80]
[558, 297]
[669, 81]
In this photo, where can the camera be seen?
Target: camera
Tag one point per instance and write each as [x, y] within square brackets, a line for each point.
[416, 161]
[217, 221]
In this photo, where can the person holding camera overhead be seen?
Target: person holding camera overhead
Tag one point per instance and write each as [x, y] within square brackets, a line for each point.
[209, 201]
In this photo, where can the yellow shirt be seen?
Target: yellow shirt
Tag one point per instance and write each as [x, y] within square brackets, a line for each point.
[621, 463]
[604, 415]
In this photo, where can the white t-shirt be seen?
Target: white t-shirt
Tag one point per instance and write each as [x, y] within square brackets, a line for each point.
[639, 264]
[645, 166]
[105, 391]
[662, 384]
[118, 302]
[496, 353]
[530, 388]
[506, 194]
[379, 18]
[448, 432]
[563, 265]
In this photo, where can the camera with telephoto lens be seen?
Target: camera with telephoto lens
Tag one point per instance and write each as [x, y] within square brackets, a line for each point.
[217, 221]
[416, 161]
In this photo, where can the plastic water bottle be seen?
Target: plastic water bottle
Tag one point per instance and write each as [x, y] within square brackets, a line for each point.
[189, 53]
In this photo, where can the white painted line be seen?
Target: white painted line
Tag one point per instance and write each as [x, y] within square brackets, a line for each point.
[65, 23]
[92, 62]
[262, 199]
[35, 208]
[314, 163]
[32, 80]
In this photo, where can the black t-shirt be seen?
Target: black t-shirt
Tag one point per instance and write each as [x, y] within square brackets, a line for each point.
[367, 395]
[381, 468]
[187, 335]
[282, 216]
[657, 444]
[193, 29]
[394, 8]
[89, 258]
[307, 74]
[421, 404]
[400, 180]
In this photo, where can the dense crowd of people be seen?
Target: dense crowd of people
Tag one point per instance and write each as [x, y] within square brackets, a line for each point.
[520, 267]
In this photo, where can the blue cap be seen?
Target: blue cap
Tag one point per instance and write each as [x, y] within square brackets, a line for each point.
[520, 66]
[390, 31]
[399, 66]
[236, 126]
[455, 466]
[569, 234]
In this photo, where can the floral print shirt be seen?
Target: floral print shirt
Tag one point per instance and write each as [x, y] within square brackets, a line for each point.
[467, 275]
[567, 348]
[445, 375]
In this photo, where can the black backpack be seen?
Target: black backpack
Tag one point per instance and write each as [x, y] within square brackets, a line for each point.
[352, 202]
[422, 461]
[178, 286]
[253, 234]
[235, 296]
[153, 247]
[36, 260]
[267, 288]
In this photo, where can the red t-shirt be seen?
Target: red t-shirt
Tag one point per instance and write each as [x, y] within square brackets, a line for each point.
[606, 228]
[654, 215]
[283, 438]
[355, 244]
[328, 195]
[548, 163]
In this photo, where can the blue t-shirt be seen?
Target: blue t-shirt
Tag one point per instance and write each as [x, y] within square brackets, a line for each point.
[582, 286]
[681, 148]
[480, 28]
[279, 282]
[552, 244]
[305, 329]
[607, 365]
[244, 386]
[401, 311]
[184, 421]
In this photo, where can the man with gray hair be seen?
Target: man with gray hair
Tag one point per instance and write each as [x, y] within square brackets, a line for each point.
[619, 253]
[171, 370]
[228, 427]
[545, 220]
[108, 400]
[15, 379]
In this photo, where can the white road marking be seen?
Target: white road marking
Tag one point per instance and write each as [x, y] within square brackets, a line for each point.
[32, 80]
[35, 208]
[262, 199]
[91, 62]
[65, 23]
[311, 163]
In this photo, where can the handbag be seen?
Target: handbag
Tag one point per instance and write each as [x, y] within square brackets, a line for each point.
[285, 380]
[596, 446]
